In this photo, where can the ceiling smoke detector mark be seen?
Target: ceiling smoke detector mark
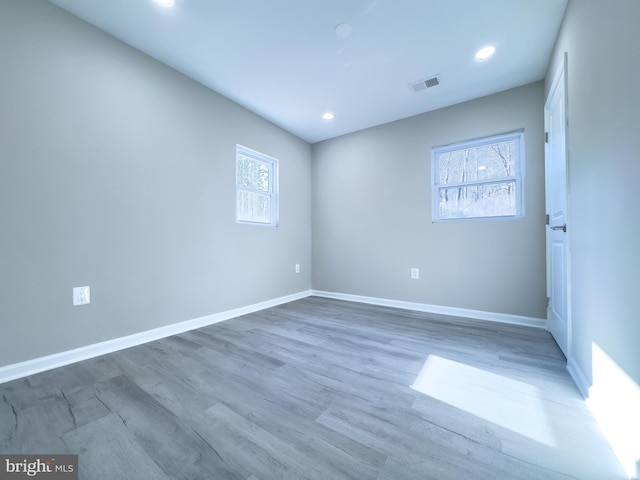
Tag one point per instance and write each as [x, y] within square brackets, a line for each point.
[344, 30]
[424, 84]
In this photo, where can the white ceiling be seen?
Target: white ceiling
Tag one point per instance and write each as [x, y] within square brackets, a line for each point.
[283, 60]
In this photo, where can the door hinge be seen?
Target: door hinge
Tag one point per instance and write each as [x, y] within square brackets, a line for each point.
[546, 137]
[546, 221]
[548, 303]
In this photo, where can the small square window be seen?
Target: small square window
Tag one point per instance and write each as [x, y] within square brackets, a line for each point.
[479, 178]
[256, 187]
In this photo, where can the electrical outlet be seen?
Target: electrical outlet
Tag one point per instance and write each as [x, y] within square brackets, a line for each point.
[81, 296]
[415, 273]
[297, 268]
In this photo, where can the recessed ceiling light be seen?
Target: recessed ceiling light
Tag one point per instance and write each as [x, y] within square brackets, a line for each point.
[165, 3]
[485, 52]
[328, 116]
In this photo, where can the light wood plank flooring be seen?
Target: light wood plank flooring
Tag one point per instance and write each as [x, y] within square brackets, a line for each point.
[317, 389]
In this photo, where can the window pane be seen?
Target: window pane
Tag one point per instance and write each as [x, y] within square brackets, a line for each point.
[262, 176]
[263, 208]
[245, 206]
[244, 167]
[486, 200]
[256, 187]
[484, 162]
[254, 207]
[253, 173]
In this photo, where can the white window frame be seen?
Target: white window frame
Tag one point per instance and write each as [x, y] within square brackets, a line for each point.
[272, 193]
[518, 136]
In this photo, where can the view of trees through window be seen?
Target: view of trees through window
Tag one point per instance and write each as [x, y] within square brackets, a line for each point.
[254, 187]
[477, 179]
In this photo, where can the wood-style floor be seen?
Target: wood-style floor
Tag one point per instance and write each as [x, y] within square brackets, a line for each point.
[317, 389]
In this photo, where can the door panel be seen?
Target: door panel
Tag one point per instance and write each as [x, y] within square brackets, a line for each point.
[558, 319]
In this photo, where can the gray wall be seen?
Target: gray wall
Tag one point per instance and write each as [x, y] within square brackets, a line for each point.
[372, 214]
[118, 173]
[601, 39]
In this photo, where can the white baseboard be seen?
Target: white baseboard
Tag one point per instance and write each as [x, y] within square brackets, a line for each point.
[579, 378]
[49, 362]
[438, 309]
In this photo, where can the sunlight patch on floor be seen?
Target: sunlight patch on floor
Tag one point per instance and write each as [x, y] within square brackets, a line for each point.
[614, 399]
[509, 403]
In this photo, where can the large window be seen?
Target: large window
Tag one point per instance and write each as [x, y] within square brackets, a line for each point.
[479, 178]
[256, 187]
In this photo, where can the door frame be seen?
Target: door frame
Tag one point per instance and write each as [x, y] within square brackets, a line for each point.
[560, 80]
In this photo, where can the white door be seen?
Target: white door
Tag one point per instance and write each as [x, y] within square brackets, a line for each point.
[558, 318]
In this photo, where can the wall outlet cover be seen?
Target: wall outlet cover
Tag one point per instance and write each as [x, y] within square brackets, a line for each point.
[81, 296]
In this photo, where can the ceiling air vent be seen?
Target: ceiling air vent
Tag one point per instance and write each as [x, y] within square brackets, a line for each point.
[424, 84]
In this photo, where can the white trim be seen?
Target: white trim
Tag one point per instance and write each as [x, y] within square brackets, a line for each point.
[274, 188]
[579, 378]
[49, 362]
[560, 80]
[517, 136]
[438, 309]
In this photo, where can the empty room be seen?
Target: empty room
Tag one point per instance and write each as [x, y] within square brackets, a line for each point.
[348, 239]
